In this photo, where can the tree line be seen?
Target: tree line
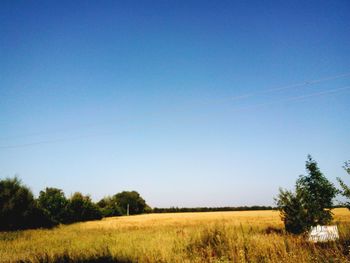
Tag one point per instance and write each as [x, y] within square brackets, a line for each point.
[20, 210]
[210, 209]
[309, 204]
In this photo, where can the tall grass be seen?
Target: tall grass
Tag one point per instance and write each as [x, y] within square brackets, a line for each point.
[254, 236]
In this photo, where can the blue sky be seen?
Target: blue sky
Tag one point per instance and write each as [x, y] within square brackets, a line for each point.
[169, 97]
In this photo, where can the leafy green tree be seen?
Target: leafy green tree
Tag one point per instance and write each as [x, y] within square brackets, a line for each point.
[292, 211]
[109, 207]
[317, 194]
[55, 203]
[81, 208]
[345, 188]
[137, 205]
[310, 204]
[18, 209]
[38, 218]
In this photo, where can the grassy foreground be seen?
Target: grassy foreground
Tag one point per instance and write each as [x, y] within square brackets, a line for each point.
[252, 236]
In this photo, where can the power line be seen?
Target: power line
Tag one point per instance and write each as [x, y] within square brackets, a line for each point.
[54, 141]
[297, 98]
[292, 98]
[286, 87]
[74, 127]
[243, 96]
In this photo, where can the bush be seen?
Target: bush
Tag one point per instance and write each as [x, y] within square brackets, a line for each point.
[345, 188]
[292, 212]
[310, 204]
[109, 207]
[81, 208]
[55, 203]
[317, 194]
[18, 209]
[137, 205]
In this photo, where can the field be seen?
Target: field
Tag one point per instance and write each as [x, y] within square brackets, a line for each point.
[251, 236]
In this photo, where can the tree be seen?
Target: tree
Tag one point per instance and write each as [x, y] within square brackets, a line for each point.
[317, 194]
[81, 208]
[18, 209]
[310, 204]
[55, 203]
[345, 188]
[109, 206]
[136, 203]
[292, 211]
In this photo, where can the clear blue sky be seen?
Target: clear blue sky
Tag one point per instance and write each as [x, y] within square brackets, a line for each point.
[105, 96]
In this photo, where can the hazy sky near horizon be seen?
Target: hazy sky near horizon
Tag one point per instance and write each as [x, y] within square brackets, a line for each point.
[178, 100]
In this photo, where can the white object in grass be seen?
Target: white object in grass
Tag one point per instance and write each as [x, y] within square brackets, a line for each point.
[323, 233]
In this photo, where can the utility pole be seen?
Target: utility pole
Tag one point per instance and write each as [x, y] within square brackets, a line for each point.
[127, 210]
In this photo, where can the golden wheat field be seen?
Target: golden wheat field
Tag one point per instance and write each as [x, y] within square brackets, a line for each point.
[251, 236]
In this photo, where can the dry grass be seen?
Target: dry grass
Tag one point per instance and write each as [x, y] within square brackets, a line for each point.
[252, 236]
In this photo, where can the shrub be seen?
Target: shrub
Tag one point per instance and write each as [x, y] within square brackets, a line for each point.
[81, 208]
[18, 209]
[345, 188]
[292, 212]
[55, 203]
[137, 205]
[310, 204]
[109, 207]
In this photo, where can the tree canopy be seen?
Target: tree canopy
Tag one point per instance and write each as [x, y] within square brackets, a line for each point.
[81, 208]
[345, 191]
[18, 208]
[55, 203]
[311, 202]
[109, 206]
[131, 199]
